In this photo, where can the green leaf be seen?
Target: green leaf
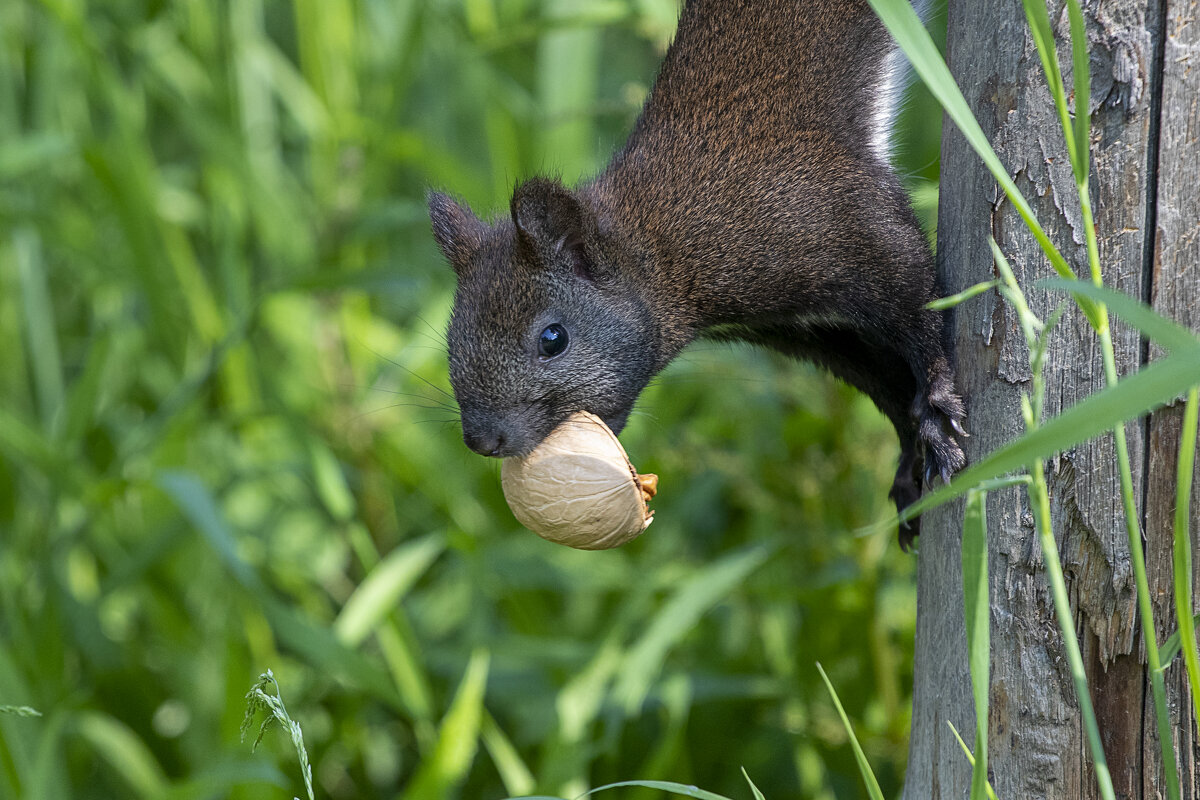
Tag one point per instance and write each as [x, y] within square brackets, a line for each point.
[330, 483]
[47, 779]
[1171, 647]
[385, 586]
[1171, 335]
[458, 738]
[1043, 37]
[45, 361]
[569, 71]
[664, 786]
[115, 743]
[977, 607]
[219, 780]
[28, 154]
[864, 766]
[675, 619]
[197, 504]
[966, 294]
[991, 793]
[1082, 70]
[317, 645]
[757, 794]
[319, 648]
[905, 26]
[513, 771]
[1182, 557]
[84, 392]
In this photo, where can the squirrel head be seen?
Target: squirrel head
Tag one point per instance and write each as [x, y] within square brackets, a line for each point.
[547, 320]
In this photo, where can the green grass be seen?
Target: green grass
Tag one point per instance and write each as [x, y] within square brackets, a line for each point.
[265, 696]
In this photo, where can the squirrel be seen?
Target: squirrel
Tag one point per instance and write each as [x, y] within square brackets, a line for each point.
[754, 201]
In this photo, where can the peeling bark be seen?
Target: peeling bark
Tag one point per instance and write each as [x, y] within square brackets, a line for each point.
[1145, 111]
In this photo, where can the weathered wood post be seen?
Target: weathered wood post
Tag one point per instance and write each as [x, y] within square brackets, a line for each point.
[1145, 109]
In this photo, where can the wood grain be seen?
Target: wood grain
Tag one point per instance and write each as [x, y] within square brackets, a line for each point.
[1145, 179]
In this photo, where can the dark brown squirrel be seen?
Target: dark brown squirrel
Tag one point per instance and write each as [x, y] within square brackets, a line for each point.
[754, 201]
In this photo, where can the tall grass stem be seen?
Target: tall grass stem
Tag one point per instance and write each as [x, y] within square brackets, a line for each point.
[1183, 548]
[1040, 500]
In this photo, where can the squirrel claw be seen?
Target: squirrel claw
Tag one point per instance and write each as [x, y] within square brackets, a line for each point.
[958, 428]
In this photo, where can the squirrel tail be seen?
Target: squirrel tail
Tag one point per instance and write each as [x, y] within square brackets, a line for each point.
[897, 75]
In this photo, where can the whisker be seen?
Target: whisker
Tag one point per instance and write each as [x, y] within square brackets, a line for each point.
[413, 373]
[439, 335]
[357, 417]
[435, 402]
[389, 391]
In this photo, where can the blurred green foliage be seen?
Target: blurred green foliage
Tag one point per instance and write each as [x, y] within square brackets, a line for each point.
[226, 443]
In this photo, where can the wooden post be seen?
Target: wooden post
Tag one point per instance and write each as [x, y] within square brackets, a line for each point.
[1145, 110]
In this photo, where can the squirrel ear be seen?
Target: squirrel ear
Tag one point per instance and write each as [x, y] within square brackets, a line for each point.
[458, 231]
[549, 216]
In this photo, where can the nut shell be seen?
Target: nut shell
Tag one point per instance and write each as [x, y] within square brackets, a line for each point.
[578, 487]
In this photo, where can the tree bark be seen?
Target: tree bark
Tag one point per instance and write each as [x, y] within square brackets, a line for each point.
[1145, 74]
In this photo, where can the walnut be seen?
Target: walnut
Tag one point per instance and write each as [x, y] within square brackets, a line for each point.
[578, 487]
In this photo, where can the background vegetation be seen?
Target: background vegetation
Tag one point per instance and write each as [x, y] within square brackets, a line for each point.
[225, 444]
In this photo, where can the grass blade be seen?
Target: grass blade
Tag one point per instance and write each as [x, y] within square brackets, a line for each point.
[1078, 147]
[569, 66]
[458, 738]
[863, 765]
[1039, 500]
[701, 592]
[991, 793]
[757, 794]
[513, 771]
[128, 756]
[198, 505]
[1043, 37]
[1082, 70]
[1171, 647]
[1183, 548]
[384, 587]
[317, 644]
[905, 26]
[1172, 336]
[44, 360]
[664, 786]
[977, 607]
[966, 294]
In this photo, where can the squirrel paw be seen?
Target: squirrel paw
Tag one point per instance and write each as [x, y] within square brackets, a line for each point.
[940, 414]
[935, 452]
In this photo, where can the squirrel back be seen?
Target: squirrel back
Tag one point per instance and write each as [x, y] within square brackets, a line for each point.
[741, 66]
[753, 201]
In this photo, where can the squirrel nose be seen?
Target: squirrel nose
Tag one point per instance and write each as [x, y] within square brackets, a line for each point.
[486, 443]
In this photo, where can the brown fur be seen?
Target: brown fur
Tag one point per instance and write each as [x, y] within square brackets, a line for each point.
[747, 204]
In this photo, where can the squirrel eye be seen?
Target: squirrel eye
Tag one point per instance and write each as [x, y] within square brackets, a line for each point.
[553, 341]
